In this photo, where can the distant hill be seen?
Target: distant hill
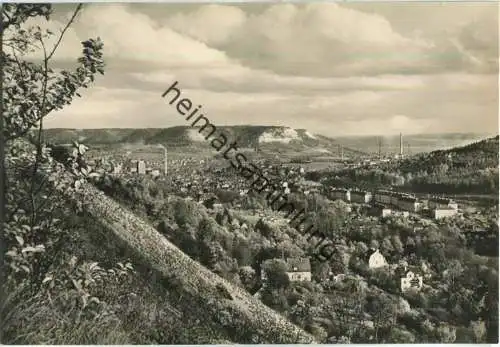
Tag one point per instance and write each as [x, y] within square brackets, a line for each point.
[271, 138]
[470, 169]
[462, 170]
[412, 144]
[477, 156]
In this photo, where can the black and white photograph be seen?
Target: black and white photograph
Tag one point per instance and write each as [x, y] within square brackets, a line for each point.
[280, 172]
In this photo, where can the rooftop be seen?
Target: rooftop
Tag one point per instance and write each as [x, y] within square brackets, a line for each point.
[408, 198]
[298, 265]
[442, 200]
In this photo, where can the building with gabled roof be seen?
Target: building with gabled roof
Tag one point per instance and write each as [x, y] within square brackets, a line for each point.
[409, 203]
[376, 259]
[341, 194]
[298, 269]
[442, 203]
[383, 196]
[444, 212]
[361, 196]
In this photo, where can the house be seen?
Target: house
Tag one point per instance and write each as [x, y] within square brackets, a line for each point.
[442, 203]
[339, 277]
[311, 185]
[380, 210]
[117, 168]
[341, 194]
[440, 213]
[360, 196]
[141, 167]
[395, 198]
[298, 269]
[376, 259]
[411, 281]
[404, 214]
[409, 203]
[383, 197]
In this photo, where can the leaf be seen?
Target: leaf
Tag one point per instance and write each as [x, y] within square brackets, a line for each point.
[39, 248]
[20, 240]
[29, 249]
[47, 279]
[77, 284]
[82, 149]
[73, 261]
[11, 253]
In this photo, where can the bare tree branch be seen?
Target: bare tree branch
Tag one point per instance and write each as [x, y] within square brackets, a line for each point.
[78, 8]
[40, 130]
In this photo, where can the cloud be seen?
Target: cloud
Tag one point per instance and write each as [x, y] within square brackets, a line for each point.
[237, 78]
[441, 103]
[130, 37]
[325, 67]
[103, 107]
[328, 39]
[222, 21]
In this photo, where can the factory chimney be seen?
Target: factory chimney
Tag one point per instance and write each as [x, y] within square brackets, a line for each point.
[165, 153]
[401, 145]
[165, 157]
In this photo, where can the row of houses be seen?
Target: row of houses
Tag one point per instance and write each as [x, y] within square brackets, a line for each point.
[439, 207]
[410, 277]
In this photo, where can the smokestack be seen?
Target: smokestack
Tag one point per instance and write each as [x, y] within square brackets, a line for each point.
[379, 148]
[400, 144]
[165, 160]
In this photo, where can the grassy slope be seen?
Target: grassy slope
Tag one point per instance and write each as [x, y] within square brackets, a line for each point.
[243, 318]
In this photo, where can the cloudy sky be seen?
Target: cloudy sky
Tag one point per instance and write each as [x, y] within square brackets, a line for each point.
[332, 68]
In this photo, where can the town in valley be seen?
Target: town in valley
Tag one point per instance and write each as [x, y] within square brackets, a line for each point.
[365, 211]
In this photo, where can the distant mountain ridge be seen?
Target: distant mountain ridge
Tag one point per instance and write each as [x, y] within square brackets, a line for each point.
[265, 137]
[247, 136]
[472, 168]
[412, 143]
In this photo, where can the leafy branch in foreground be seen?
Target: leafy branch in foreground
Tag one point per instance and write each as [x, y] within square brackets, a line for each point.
[38, 225]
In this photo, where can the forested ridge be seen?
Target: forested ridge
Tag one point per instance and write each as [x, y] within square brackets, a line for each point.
[471, 169]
